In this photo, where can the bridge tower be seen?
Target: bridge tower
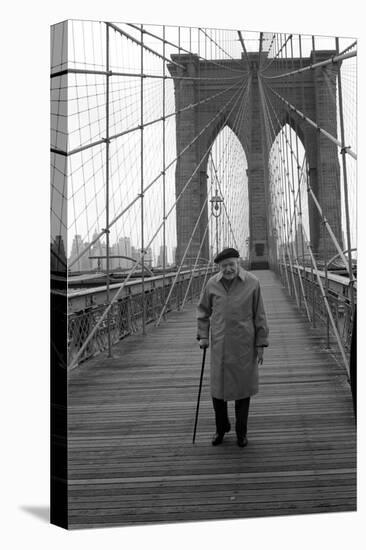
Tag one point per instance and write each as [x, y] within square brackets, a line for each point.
[312, 91]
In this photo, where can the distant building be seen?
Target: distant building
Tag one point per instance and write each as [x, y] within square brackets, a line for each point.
[58, 255]
[77, 247]
[98, 249]
[162, 253]
[124, 249]
[114, 262]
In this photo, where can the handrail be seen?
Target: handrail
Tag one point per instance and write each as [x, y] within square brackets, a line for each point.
[98, 289]
[343, 280]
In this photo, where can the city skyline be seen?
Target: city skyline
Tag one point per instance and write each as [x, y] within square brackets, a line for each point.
[122, 247]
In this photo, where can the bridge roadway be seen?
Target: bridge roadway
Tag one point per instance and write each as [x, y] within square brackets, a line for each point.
[131, 458]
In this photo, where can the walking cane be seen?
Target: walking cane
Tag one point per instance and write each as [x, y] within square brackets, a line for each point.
[199, 394]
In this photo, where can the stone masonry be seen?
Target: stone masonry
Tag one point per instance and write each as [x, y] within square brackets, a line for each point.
[312, 92]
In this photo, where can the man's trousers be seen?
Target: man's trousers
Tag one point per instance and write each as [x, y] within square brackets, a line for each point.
[241, 416]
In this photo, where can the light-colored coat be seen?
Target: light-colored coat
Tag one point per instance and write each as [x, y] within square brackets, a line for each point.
[238, 324]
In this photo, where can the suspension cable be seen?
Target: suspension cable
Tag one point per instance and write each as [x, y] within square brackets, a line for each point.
[243, 46]
[315, 125]
[332, 60]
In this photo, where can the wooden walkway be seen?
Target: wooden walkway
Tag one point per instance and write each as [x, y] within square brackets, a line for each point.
[131, 458]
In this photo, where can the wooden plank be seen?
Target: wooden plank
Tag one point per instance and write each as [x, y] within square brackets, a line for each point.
[131, 417]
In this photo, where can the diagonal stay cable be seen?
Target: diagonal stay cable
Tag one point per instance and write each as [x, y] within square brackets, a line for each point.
[353, 45]
[243, 46]
[347, 149]
[141, 44]
[278, 53]
[331, 60]
[216, 44]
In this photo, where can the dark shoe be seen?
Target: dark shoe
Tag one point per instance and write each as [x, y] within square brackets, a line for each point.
[217, 439]
[242, 441]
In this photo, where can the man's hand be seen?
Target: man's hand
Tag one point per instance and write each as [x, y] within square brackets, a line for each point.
[204, 343]
[260, 355]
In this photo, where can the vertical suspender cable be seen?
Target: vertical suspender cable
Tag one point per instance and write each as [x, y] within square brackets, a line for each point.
[143, 302]
[297, 149]
[107, 193]
[301, 205]
[296, 244]
[345, 182]
[164, 177]
[291, 194]
[323, 228]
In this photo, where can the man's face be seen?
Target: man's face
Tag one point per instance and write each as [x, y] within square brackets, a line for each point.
[229, 268]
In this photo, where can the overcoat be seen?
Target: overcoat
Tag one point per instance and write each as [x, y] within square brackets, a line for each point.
[238, 325]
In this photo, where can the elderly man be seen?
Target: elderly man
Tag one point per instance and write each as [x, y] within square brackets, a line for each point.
[231, 305]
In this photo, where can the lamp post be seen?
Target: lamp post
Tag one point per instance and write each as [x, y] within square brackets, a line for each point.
[216, 209]
[247, 249]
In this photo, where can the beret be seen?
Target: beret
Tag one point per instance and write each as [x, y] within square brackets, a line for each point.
[225, 254]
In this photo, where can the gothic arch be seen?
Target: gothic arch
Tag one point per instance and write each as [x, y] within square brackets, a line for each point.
[322, 155]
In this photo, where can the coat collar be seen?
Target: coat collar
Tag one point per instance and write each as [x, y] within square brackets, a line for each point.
[242, 274]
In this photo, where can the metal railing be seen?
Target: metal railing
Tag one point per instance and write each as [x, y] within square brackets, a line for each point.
[127, 313]
[338, 291]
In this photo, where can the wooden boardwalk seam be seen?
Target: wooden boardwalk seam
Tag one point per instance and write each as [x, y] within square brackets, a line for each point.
[131, 417]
